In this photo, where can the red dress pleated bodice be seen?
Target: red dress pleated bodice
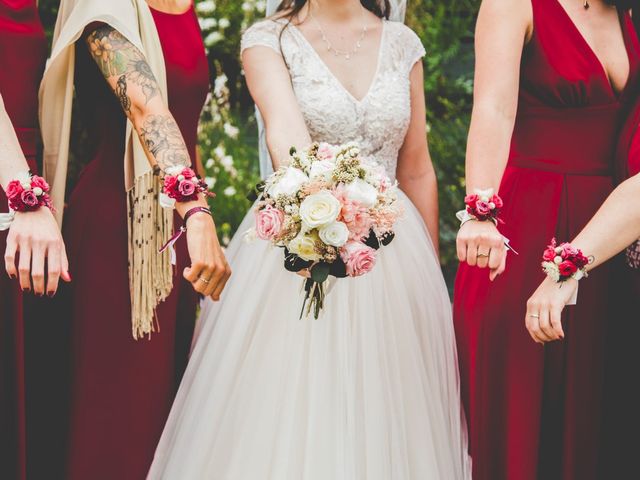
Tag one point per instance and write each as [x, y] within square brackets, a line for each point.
[121, 390]
[22, 56]
[535, 412]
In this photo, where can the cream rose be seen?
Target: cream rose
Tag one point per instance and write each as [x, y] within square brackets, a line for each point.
[322, 169]
[361, 192]
[289, 183]
[335, 234]
[304, 245]
[319, 209]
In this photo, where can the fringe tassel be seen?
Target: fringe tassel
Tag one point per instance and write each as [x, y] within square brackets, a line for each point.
[150, 272]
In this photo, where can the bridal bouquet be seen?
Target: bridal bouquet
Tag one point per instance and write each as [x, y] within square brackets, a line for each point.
[331, 211]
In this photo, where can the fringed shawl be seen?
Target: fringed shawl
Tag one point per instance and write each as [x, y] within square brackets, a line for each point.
[150, 273]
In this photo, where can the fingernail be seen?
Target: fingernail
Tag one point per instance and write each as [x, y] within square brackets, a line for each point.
[51, 294]
[26, 289]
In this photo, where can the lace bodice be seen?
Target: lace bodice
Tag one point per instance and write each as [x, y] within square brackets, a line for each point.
[380, 120]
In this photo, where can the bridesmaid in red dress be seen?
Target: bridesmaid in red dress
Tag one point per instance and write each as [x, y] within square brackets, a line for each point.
[121, 389]
[544, 130]
[22, 56]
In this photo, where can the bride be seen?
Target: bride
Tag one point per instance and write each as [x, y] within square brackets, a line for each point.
[369, 390]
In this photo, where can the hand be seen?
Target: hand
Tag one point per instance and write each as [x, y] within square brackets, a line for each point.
[544, 309]
[43, 257]
[480, 244]
[209, 270]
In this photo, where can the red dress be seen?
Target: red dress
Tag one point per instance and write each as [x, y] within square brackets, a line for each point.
[22, 56]
[121, 390]
[534, 412]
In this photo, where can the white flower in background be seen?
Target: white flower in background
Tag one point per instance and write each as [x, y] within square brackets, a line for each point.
[209, 163]
[261, 6]
[230, 191]
[206, 6]
[208, 23]
[210, 181]
[304, 245]
[224, 23]
[213, 38]
[220, 85]
[320, 209]
[361, 192]
[335, 234]
[219, 152]
[231, 130]
[227, 162]
[322, 169]
[289, 183]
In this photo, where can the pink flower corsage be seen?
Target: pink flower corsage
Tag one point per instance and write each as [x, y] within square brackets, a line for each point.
[564, 261]
[28, 193]
[484, 205]
[183, 185]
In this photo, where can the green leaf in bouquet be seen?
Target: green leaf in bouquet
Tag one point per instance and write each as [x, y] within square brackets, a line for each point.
[320, 272]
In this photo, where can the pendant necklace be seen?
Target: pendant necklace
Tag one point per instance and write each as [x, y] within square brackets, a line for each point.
[347, 54]
[586, 4]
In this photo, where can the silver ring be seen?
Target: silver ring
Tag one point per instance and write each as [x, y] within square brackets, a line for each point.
[534, 315]
[203, 280]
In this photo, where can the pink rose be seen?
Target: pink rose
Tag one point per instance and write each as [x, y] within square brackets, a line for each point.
[359, 258]
[188, 173]
[186, 188]
[483, 208]
[170, 182]
[568, 250]
[29, 198]
[39, 182]
[549, 254]
[269, 222]
[497, 201]
[471, 199]
[567, 269]
[14, 189]
[325, 152]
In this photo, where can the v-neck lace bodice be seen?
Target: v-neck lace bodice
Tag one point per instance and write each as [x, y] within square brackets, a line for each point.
[379, 121]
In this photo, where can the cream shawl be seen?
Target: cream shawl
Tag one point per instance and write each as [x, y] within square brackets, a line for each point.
[150, 273]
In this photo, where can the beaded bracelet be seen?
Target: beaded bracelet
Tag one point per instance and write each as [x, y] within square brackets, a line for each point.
[564, 261]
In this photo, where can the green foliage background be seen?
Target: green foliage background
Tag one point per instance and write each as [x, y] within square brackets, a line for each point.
[228, 134]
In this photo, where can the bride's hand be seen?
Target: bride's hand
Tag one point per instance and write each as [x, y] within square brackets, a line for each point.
[35, 236]
[544, 309]
[209, 270]
[480, 244]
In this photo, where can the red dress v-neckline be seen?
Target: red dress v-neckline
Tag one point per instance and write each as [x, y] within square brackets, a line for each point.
[589, 50]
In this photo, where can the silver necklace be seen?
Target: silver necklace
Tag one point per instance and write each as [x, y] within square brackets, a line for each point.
[347, 54]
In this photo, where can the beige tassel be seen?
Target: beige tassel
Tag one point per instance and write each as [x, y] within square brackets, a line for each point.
[150, 272]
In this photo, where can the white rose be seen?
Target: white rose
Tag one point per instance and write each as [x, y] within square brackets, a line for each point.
[289, 183]
[335, 234]
[322, 169]
[362, 192]
[319, 209]
[304, 245]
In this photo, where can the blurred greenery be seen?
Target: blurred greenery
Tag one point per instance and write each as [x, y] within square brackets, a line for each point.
[228, 134]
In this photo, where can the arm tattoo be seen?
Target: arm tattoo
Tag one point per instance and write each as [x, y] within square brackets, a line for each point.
[117, 57]
[121, 93]
[161, 135]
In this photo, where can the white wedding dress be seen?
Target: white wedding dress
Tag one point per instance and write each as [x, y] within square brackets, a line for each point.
[370, 390]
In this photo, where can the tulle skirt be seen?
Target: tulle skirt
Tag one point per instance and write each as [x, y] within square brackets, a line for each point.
[370, 390]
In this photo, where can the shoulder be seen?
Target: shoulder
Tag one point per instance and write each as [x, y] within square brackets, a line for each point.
[405, 40]
[265, 33]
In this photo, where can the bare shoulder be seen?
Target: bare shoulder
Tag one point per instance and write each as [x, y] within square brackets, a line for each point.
[507, 15]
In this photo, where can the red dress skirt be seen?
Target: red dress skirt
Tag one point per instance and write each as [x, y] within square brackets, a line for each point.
[22, 56]
[534, 412]
[121, 390]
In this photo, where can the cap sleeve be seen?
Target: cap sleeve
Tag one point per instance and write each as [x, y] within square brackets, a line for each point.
[263, 34]
[411, 45]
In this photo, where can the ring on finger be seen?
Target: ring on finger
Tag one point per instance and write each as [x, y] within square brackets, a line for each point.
[534, 315]
[483, 255]
[204, 280]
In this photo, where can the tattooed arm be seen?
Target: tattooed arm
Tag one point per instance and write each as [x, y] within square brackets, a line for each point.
[129, 75]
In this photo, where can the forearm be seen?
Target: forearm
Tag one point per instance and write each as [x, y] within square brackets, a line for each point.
[12, 160]
[280, 139]
[615, 226]
[422, 190]
[488, 147]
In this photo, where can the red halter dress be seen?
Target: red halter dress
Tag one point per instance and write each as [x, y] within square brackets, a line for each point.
[22, 56]
[534, 412]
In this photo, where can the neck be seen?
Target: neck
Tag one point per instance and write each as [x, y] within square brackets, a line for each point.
[336, 10]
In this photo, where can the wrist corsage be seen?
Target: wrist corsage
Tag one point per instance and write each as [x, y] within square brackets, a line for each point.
[564, 261]
[482, 205]
[181, 184]
[27, 193]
